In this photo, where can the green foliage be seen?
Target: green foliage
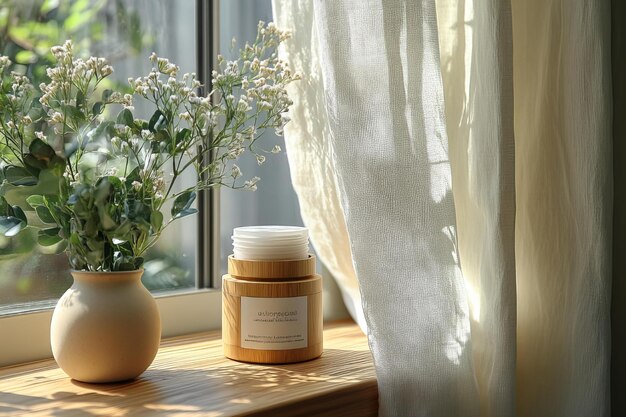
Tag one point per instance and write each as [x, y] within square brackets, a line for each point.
[106, 190]
[12, 218]
[28, 29]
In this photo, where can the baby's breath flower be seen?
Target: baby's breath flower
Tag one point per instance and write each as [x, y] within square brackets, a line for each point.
[250, 185]
[248, 96]
[115, 142]
[235, 172]
[57, 117]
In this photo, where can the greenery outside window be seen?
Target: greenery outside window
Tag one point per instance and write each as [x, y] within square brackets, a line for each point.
[126, 32]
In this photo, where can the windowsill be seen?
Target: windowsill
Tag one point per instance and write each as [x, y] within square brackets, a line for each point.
[190, 376]
[181, 313]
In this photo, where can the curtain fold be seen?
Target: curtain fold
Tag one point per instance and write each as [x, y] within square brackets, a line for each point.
[564, 190]
[311, 159]
[384, 100]
[475, 40]
[459, 155]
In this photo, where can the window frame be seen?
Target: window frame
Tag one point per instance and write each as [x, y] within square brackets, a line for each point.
[26, 334]
[209, 251]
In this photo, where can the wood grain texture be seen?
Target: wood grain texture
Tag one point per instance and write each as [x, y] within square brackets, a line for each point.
[271, 279]
[231, 324]
[191, 377]
[271, 269]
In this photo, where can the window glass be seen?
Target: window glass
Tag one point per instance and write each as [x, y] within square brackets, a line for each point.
[274, 202]
[125, 32]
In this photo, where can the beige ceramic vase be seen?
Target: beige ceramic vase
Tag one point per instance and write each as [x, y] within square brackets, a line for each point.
[106, 327]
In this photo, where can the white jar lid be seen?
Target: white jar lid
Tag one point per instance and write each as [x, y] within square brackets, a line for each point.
[271, 242]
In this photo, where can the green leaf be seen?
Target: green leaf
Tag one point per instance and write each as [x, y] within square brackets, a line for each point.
[74, 113]
[125, 117]
[157, 121]
[104, 188]
[162, 136]
[126, 266]
[49, 237]
[122, 231]
[80, 99]
[35, 200]
[5, 208]
[106, 220]
[44, 215]
[97, 107]
[19, 213]
[156, 220]
[75, 241]
[41, 150]
[137, 211]
[26, 57]
[182, 135]
[182, 205]
[48, 5]
[42, 157]
[10, 226]
[19, 176]
[106, 95]
[138, 262]
[90, 227]
[132, 176]
[12, 219]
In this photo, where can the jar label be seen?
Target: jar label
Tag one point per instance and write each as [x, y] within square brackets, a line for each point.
[274, 323]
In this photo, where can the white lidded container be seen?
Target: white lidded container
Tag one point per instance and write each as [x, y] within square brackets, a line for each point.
[272, 297]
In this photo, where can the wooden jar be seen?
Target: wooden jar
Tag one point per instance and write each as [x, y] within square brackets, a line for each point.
[272, 311]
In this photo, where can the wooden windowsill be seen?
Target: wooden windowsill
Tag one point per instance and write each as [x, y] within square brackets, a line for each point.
[191, 377]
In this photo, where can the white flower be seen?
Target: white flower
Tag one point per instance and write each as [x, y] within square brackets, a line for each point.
[57, 117]
[260, 159]
[243, 105]
[146, 135]
[106, 70]
[235, 172]
[251, 184]
[276, 149]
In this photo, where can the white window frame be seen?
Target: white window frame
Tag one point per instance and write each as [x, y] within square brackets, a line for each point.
[25, 337]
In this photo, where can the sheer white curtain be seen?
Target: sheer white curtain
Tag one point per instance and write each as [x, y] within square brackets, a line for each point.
[469, 136]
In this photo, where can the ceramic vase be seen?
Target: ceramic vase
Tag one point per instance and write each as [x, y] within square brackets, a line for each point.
[106, 327]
